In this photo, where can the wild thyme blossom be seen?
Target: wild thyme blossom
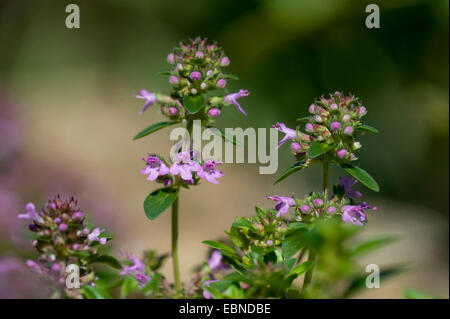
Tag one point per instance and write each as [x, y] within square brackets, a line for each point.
[184, 166]
[347, 183]
[62, 238]
[155, 167]
[355, 213]
[283, 204]
[300, 141]
[196, 70]
[137, 269]
[209, 172]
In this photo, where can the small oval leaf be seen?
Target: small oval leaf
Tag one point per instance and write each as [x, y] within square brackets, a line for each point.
[318, 148]
[193, 103]
[158, 201]
[219, 245]
[362, 176]
[153, 128]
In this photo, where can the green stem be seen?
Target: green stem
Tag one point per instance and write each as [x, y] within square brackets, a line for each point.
[176, 266]
[311, 254]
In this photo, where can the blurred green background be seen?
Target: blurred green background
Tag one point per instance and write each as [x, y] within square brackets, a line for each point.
[70, 91]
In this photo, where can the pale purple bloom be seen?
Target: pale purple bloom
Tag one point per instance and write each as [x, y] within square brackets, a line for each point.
[215, 261]
[347, 183]
[225, 61]
[184, 166]
[291, 134]
[312, 108]
[209, 73]
[213, 112]
[348, 130]
[209, 172]
[93, 236]
[142, 279]
[77, 215]
[342, 153]
[173, 111]
[136, 269]
[335, 126]
[173, 79]
[155, 167]
[283, 204]
[206, 293]
[62, 227]
[199, 55]
[149, 97]
[203, 85]
[31, 213]
[334, 106]
[195, 75]
[269, 242]
[346, 118]
[331, 210]
[362, 111]
[221, 83]
[233, 97]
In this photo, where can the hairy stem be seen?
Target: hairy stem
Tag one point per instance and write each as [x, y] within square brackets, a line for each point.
[176, 266]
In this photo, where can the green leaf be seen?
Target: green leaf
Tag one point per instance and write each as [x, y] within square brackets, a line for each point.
[153, 128]
[193, 103]
[219, 245]
[301, 269]
[91, 292]
[214, 292]
[291, 170]
[303, 119]
[158, 201]
[106, 259]
[242, 222]
[293, 242]
[230, 76]
[366, 128]
[371, 245]
[318, 148]
[152, 286]
[362, 176]
[238, 238]
[165, 72]
[130, 285]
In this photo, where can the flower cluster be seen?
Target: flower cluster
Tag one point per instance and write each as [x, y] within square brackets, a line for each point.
[62, 238]
[314, 205]
[197, 69]
[184, 170]
[336, 121]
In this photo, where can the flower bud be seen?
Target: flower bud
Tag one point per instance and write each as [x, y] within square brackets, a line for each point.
[362, 111]
[296, 147]
[57, 220]
[210, 73]
[179, 67]
[199, 55]
[203, 85]
[346, 118]
[305, 208]
[173, 79]
[356, 145]
[333, 106]
[318, 119]
[348, 130]
[225, 61]
[318, 202]
[213, 112]
[335, 126]
[221, 83]
[331, 210]
[309, 128]
[167, 182]
[312, 109]
[63, 227]
[77, 215]
[171, 58]
[342, 153]
[195, 75]
[173, 110]
[194, 91]
[269, 242]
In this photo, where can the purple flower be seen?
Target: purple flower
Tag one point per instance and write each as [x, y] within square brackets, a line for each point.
[334, 106]
[184, 166]
[291, 134]
[221, 83]
[362, 111]
[353, 214]
[93, 236]
[173, 111]
[149, 97]
[347, 183]
[199, 55]
[309, 127]
[335, 126]
[233, 97]
[331, 210]
[215, 261]
[283, 204]
[206, 293]
[154, 168]
[318, 202]
[31, 213]
[312, 108]
[62, 227]
[341, 153]
[76, 216]
[209, 172]
[296, 147]
[142, 279]
[195, 75]
[305, 208]
[137, 266]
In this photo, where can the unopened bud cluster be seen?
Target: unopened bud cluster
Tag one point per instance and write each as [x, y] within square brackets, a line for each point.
[314, 205]
[336, 120]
